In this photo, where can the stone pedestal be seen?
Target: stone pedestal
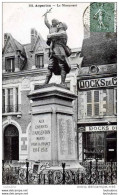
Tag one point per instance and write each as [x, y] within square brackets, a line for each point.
[52, 137]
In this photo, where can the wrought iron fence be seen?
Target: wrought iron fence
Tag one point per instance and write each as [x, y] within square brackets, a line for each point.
[95, 173]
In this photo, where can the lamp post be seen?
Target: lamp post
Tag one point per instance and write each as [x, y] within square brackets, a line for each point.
[27, 171]
[63, 166]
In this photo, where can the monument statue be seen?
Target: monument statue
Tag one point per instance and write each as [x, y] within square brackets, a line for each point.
[59, 51]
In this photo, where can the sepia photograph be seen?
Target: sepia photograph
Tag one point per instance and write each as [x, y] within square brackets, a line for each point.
[59, 93]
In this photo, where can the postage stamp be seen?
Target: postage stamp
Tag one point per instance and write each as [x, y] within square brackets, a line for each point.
[100, 17]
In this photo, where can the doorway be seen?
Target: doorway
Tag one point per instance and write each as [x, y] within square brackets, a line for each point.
[111, 140]
[11, 143]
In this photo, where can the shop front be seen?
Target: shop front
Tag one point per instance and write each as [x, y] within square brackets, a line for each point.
[99, 142]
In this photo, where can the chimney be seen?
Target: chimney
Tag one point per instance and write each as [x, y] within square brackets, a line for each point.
[34, 36]
[5, 38]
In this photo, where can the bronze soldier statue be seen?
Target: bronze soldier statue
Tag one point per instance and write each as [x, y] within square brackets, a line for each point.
[59, 53]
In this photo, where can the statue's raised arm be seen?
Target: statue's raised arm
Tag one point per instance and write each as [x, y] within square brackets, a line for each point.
[46, 21]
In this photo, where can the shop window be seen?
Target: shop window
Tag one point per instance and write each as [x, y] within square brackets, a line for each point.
[93, 144]
[9, 64]
[10, 101]
[39, 60]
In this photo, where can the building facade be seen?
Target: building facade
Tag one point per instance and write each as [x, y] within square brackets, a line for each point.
[97, 99]
[24, 68]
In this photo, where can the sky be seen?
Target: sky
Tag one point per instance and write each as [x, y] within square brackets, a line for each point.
[19, 18]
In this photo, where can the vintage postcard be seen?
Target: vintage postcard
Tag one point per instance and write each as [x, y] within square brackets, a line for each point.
[59, 95]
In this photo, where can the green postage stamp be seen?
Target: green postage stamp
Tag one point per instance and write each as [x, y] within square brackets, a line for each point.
[102, 17]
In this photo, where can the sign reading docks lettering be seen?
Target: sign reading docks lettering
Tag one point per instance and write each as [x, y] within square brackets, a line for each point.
[96, 83]
[101, 128]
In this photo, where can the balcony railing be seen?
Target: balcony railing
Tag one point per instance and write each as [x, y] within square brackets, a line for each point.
[11, 108]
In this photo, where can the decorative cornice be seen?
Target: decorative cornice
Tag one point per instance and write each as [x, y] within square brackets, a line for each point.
[51, 90]
[31, 72]
[103, 70]
[79, 77]
[25, 73]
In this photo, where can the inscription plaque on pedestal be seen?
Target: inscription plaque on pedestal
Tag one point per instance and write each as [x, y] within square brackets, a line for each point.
[40, 137]
[66, 137]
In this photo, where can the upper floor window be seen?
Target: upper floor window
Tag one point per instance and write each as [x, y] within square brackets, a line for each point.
[93, 103]
[10, 101]
[97, 103]
[39, 60]
[9, 64]
[101, 102]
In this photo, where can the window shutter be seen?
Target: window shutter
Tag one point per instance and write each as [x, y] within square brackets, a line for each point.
[96, 103]
[115, 101]
[82, 104]
[12, 65]
[10, 100]
[96, 96]
[16, 99]
[89, 110]
[41, 61]
[36, 60]
[104, 101]
[7, 65]
[96, 109]
[3, 100]
[110, 102]
[89, 103]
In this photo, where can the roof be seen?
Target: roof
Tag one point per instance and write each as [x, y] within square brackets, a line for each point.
[99, 49]
[17, 45]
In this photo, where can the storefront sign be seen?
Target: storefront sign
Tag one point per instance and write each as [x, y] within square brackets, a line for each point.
[40, 138]
[96, 83]
[101, 128]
